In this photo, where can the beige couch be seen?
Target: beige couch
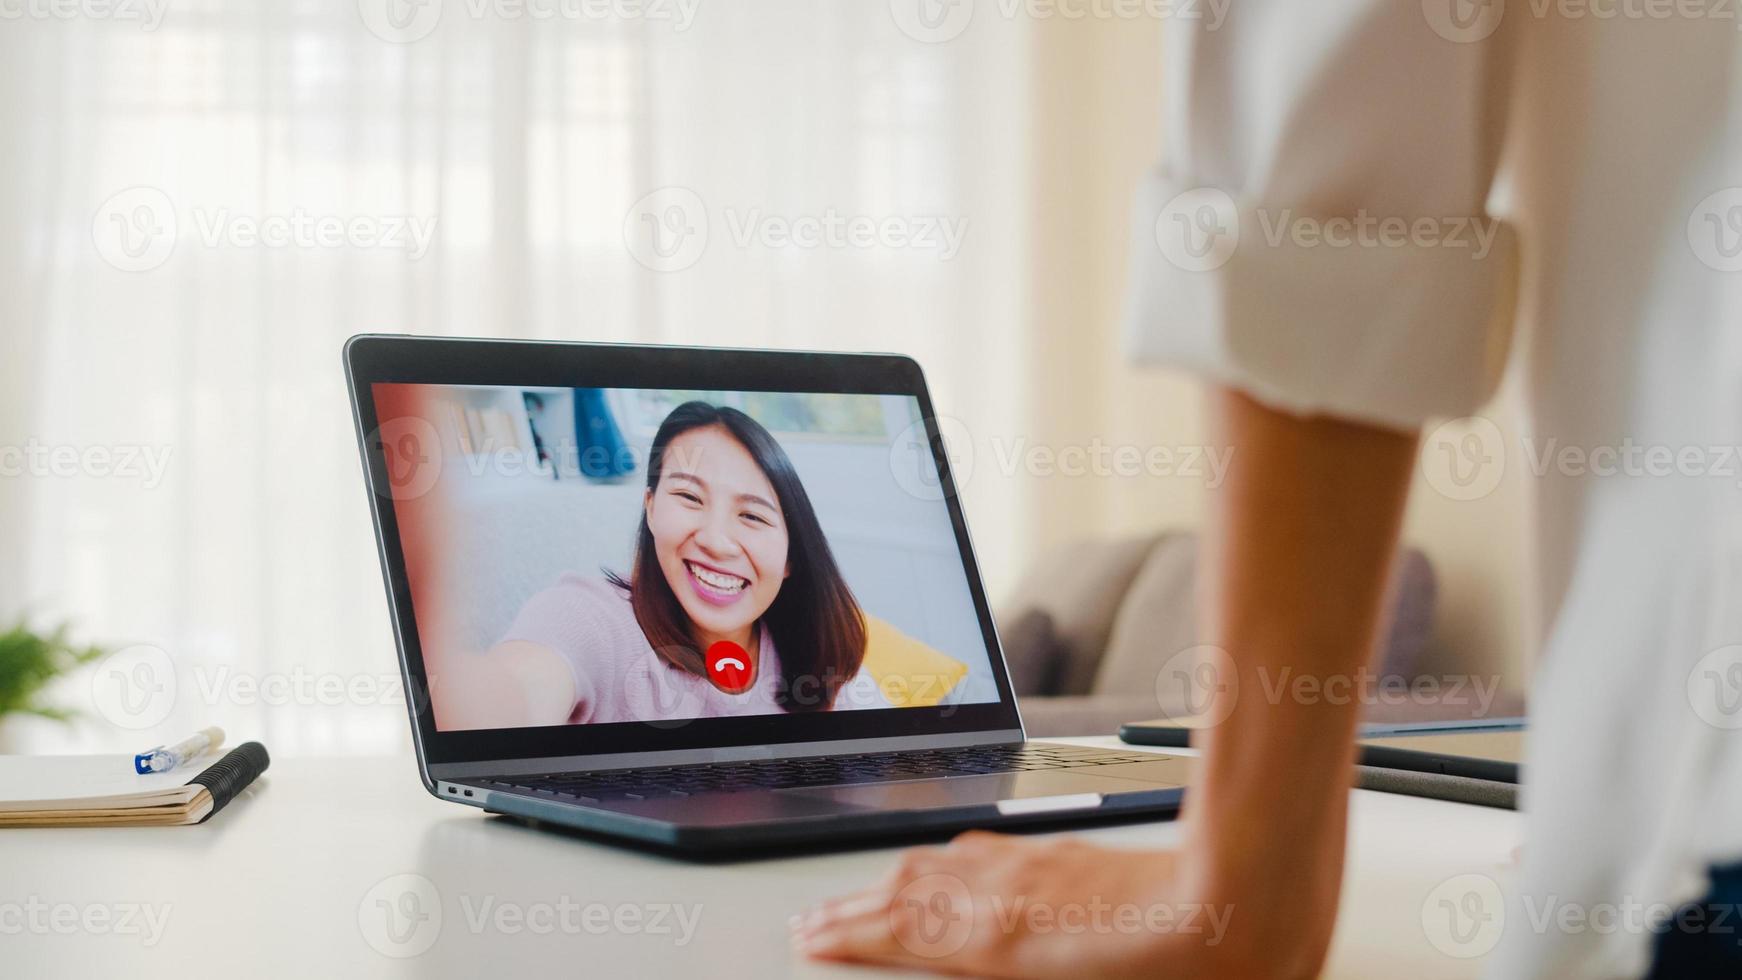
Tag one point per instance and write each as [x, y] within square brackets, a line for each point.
[1089, 628]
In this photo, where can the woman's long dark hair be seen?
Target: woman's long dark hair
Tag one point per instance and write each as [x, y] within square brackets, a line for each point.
[817, 627]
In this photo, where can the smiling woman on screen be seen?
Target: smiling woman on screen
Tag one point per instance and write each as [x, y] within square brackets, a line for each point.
[734, 604]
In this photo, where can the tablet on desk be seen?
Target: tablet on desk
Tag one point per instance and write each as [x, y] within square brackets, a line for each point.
[1486, 748]
[1479, 753]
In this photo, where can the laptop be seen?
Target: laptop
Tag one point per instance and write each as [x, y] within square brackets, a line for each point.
[707, 600]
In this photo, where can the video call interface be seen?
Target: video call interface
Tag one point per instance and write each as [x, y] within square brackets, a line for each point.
[597, 556]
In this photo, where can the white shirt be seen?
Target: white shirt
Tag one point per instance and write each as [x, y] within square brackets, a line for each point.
[1597, 134]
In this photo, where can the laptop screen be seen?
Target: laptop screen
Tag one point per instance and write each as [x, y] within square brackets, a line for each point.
[594, 556]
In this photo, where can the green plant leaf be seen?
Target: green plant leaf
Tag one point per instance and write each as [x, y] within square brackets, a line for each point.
[30, 660]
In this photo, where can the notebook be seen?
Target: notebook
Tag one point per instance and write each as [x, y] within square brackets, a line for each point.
[104, 791]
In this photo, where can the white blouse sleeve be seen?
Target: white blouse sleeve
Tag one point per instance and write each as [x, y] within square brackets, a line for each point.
[1317, 235]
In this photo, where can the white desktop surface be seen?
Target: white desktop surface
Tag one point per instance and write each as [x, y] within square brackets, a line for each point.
[289, 880]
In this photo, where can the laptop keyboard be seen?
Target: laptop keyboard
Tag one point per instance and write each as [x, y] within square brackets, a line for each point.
[667, 782]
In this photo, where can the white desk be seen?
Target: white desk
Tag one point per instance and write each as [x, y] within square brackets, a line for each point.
[286, 883]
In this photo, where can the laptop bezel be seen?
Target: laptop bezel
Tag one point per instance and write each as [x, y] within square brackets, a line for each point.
[372, 359]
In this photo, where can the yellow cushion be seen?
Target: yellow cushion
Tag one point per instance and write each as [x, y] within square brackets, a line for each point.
[909, 673]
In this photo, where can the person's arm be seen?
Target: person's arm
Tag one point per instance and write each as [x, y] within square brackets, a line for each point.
[1298, 550]
[1285, 122]
[1299, 544]
[513, 684]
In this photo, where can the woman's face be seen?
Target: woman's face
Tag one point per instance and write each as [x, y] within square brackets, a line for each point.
[718, 532]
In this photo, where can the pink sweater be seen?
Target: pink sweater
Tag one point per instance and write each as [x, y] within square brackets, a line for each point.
[618, 677]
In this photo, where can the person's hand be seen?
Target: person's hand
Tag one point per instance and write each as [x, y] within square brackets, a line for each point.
[993, 905]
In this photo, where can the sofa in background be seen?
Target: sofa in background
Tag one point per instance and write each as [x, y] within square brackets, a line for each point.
[1091, 624]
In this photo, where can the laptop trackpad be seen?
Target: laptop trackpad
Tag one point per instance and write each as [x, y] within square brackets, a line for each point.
[1070, 790]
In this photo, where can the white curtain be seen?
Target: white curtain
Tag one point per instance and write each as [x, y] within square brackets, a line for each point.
[198, 211]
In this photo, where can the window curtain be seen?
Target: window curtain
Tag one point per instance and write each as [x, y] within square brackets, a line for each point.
[198, 211]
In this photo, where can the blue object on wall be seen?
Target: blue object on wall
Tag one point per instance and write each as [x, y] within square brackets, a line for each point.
[604, 455]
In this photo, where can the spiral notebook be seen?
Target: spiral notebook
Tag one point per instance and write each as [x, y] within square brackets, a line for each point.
[104, 791]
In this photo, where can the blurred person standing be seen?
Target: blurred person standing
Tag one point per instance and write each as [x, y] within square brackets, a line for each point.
[1368, 209]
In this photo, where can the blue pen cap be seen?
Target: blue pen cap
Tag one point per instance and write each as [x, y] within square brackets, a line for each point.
[142, 761]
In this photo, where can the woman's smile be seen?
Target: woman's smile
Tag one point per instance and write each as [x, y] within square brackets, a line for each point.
[713, 585]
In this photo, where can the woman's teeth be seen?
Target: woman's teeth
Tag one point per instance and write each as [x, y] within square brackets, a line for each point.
[717, 580]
